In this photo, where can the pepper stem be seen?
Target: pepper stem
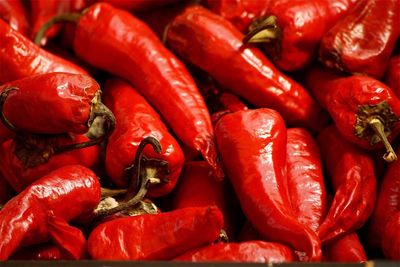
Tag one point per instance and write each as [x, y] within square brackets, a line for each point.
[106, 192]
[4, 120]
[379, 130]
[263, 30]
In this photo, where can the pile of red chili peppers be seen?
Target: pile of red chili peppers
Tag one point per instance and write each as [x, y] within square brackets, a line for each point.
[234, 131]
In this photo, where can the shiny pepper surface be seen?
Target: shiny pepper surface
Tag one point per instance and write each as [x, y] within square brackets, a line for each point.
[347, 248]
[391, 237]
[252, 144]
[13, 12]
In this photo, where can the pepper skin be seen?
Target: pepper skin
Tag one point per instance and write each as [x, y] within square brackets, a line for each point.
[213, 44]
[372, 27]
[252, 146]
[353, 180]
[223, 104]
[345, 249]
[131, 50]
[13, 12]
[136, 119]
[252, 251]
[161, 236]
[391, 237]
[305, 179]
[20, 58]
[360, 106]
[393, 75]
[67, 193]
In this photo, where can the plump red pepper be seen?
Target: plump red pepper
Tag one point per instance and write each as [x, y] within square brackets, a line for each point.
[393, 75]
[291, 30]
[363, 40]
[252, 145]
[345, 249]
[213, 44]
[14, 13]
[353, 180]
[251, 251]
[68, 193]
[155, 236]
[135, 120]
[391, 237]
[365, 111]
[20, 58]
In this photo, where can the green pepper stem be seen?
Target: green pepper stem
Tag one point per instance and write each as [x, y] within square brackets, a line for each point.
[378, 128]
[263, 30]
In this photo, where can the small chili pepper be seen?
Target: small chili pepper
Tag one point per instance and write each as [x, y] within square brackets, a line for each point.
[20, 58]
[365, 111]
[213, 44]
[391, 237]
[47, 252]
[252, 145]
[13, 12]
[161, 236]
[67, 193]
[345, 249]
[353, 180]
[393, 75]
[363, 40]
[291, 31]
[252, 251]
[136, 119]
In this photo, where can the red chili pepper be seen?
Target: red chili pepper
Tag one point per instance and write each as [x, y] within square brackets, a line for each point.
[47, 252]
[213, 44]
[13, 12]
[292, 30]
[136, 119]
[20, 58]
[225, 103]
[365, 111]
[351, 173]
[252, 145]
[155, 236]
[345, 249]
[252, 251]
[67, 193]
[363, 40]
[391, 237]
[393, 75]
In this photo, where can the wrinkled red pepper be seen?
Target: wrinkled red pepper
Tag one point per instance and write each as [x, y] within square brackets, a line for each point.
[251, 251]
[391, 237]
[135, 120]
[13, 12]
[393, 75]
[365, 111]
[363, 40]
[213, 44]
[161, 236]
[345, 249]
[353, 180]
[252, 145]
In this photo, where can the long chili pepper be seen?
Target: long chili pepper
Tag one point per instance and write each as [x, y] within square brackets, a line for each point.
[345, 249]
[136, 119]
[251, 251]
[161, 236]
[391, 237]
[131, 50]
[252, 145]
[13, 12]
[365, 111]
[351, 173]
[291, 30]
[393, 75]
[372, 27]
[20, 58]
[213, 44]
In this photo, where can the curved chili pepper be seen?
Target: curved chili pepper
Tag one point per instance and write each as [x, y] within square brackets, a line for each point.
[252, 251]
[393, 75]
[13, 12]
[161, 236]
[292, 29]
[20, 58]
[136, 119]
[47, 252]
[352, 176]
[67, 193]
[391, 237]
[345, 249]
[371, 28]
[252, 145]
[213, 44]
[365, 111]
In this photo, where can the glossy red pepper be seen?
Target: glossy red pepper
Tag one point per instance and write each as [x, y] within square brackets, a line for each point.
[252, 251]
[393, 75]
[213, 44]
[135, 120]
[345, 249]
[391, 237]
[155, 236]
[252, 145]
[351, 173]
[68, 193]
[363, 40]
[365, 111]
[13, 12]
